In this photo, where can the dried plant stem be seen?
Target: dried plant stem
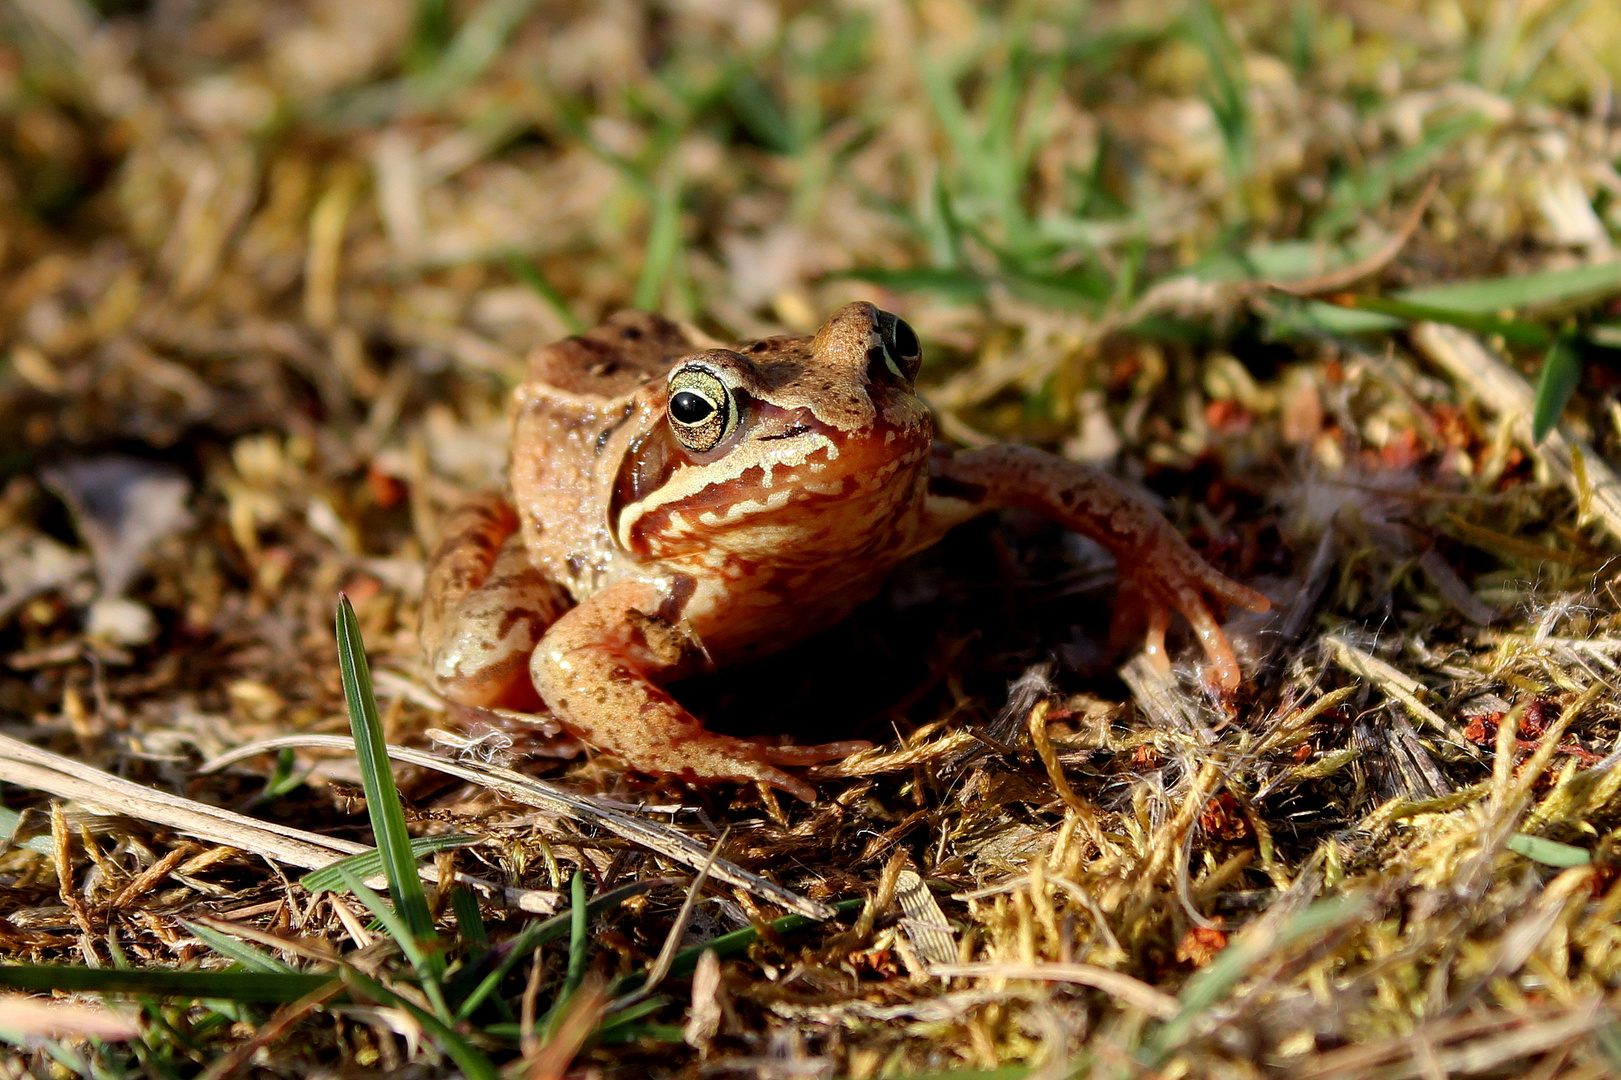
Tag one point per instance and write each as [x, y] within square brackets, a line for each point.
[558, 800]
[1596, 486]
[30, 767]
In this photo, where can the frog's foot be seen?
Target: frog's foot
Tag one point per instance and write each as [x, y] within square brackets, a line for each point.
[703, 757]
[597, 669]
[1173, 578]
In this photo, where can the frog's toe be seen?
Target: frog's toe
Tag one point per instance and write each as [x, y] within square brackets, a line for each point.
[762, 773]
[1214, 581]
[813, 755]
[702, 757]
[1223, 664]
[1159, 621]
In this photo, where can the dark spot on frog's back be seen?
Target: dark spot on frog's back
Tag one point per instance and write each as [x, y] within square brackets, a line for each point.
[631, 333]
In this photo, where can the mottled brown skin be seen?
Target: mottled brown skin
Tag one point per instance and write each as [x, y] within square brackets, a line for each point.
[648, 538]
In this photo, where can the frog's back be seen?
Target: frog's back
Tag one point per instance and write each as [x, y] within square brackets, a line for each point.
[628, 350]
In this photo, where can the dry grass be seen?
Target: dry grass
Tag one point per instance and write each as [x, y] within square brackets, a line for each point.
[267, 275]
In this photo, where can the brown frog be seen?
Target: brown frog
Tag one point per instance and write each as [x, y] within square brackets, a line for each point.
[678, 508]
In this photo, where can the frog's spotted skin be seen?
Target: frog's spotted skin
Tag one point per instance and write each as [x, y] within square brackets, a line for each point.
[677, 508]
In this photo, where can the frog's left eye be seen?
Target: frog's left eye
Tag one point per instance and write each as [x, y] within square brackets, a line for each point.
[702, 413]
[902, 353]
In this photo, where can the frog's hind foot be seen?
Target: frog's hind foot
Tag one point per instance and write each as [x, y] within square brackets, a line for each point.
[703, 757]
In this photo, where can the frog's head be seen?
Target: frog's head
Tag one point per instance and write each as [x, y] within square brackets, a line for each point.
[788, 440]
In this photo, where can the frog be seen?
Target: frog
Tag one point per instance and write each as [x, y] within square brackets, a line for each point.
[677, 508]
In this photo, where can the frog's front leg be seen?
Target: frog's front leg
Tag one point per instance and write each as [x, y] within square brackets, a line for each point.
[484, 607]
[598, 667]
[1158, 571]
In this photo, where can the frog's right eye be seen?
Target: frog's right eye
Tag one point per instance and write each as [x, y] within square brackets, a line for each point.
[898, 348]
[702, 413]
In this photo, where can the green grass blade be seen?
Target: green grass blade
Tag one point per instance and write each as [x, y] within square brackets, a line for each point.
[431, 30]
[284, 778]
[1354, 194]
[531, 938]
[468, 919]
[1211, 984]
[757, 109]
[261, 986]
[1081, 290]
[420, 958]
[578, 954]
[1580, 285]
[954, 286]
[729, 945]
[249, 956]
[625, 1034]
[952, 117]
[472, 1062]
[370, 863]
[1561, 371]
[663, 240]
[525, 271]
[393, 925]
[1549, 852]
[471, 50]
[1514, 330]
[579, 937]
[382, 797]
[1228, 93]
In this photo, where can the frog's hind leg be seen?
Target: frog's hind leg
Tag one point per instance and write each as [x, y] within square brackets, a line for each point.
[484, 607]
[1159, 573]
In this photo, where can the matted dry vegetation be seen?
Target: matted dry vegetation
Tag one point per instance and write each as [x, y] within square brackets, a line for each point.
[268, 272]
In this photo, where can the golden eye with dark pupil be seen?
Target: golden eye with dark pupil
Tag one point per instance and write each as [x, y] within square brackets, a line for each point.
[701, 411]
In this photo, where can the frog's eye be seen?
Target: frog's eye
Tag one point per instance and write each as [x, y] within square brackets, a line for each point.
[702, 413]
[902, 353]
